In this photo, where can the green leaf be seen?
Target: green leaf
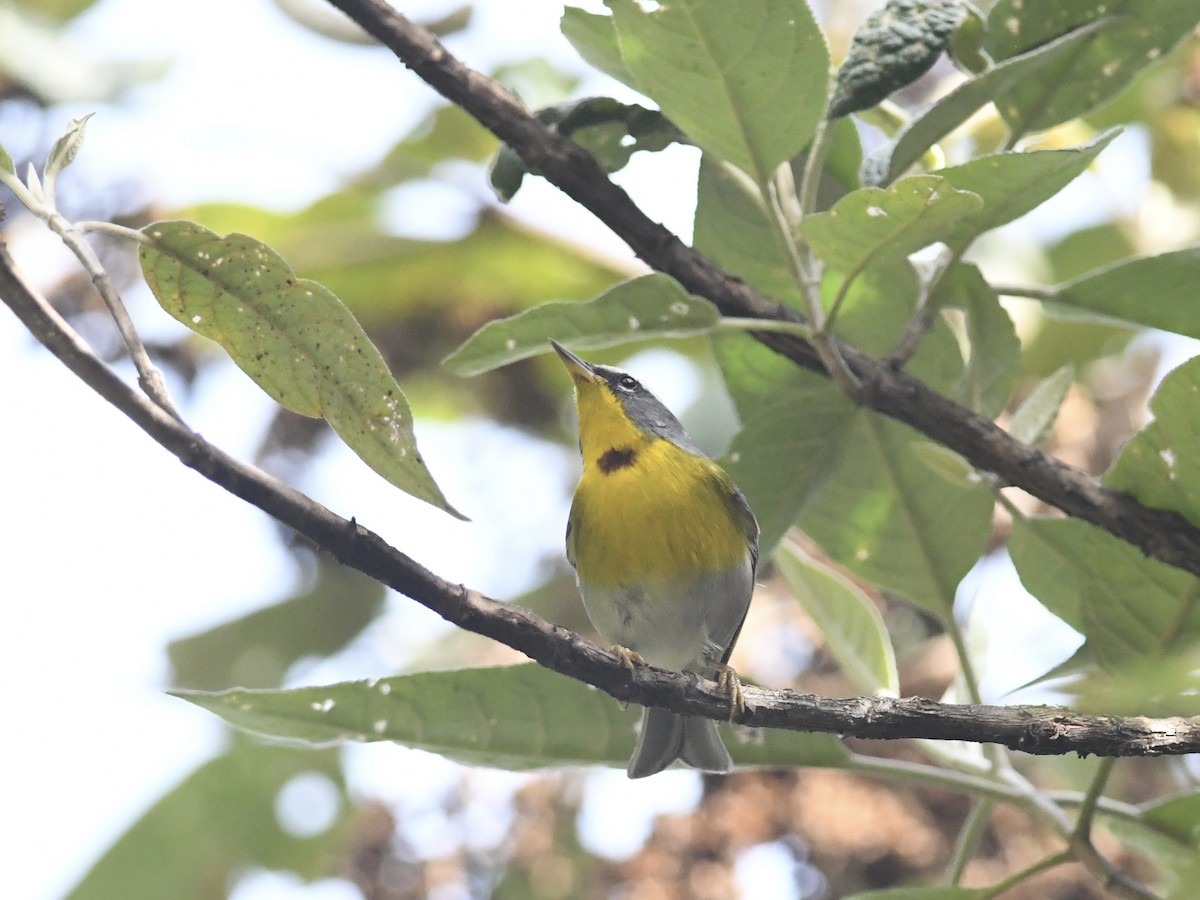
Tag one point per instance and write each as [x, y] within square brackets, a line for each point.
[58, 11]
[987, 381]
[448, 132]
[780, 459]
[1078, 665]
[1132, 609]
[613, 131]
[213, 826]
[293, 337]
[877, 308]
[875, 223]
[1012, 184]
[1076, 253]
[1057, 342]
[895, 46]
[537, 81]
[6, 162]
[514, 717]
[648, 306]
[851, 479]
[853, 628]
[768, 388]
[608, 129]
[1158, 291]
[966, 44]
[1160, 466]
[500, 265]
[63, 153]
[1100, 67]
[1032, 422]
[1178, 816]
[746, 82]
[1166, 833]
[256, 650]
[1043, 555]
[843, 159]
[964, 101]
[945, 463]
[594, 36]
[732, 229]
[886, 519]
[1157, 685]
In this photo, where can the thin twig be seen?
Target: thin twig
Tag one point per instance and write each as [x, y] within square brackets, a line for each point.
[39, 200]
[150, 378]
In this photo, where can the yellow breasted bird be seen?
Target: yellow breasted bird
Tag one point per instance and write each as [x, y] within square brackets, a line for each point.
[664, 547]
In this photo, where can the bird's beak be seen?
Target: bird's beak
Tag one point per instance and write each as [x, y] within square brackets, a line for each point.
[580, 370]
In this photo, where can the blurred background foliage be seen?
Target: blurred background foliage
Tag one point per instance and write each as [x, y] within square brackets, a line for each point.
[257, 808]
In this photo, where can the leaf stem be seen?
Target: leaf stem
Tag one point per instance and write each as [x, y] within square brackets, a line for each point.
[39, 202]
[997, 755]
[814, 164]
[970, 679]
[1033, 292]
[968, 839]
[737, 323]
[150, 378]
[1014, 789]
[1101, 868]
[1010, 507]
[1049, 862]
[806, 269]
[805, 272]
[935, 776]
[923, 314]
[113, 230]
[1087, 811]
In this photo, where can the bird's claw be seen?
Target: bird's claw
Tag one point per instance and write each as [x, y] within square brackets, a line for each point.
[629, 658]
[730, 685]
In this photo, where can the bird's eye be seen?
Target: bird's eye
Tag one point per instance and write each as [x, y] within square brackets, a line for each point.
[627, 383]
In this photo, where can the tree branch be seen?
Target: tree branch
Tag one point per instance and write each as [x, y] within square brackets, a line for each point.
[1040, 730]
[1165, 535]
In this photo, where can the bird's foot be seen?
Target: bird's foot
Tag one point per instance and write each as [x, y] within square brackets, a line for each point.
[730, 685]
[629, 658]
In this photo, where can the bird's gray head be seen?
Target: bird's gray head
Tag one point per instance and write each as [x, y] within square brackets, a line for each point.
[645, 410]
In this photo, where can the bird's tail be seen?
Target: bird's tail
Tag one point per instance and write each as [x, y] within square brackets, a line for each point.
[666, 737]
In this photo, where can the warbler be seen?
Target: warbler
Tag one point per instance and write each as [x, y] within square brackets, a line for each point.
[664, 547]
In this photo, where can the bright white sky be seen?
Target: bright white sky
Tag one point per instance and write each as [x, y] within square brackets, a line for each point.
[109, 544]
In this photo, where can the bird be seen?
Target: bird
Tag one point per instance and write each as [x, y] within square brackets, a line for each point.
[665, 549]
